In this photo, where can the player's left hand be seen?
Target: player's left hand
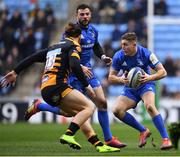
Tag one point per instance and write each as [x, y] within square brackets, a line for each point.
[107, 60]
[145, 78]
[8, 79]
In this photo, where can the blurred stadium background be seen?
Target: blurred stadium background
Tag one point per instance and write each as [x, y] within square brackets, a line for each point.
[29, 25]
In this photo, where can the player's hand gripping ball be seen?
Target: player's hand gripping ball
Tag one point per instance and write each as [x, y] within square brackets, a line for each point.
[134, 76]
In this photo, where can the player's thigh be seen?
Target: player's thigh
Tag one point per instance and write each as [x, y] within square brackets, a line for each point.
[95, 84]
[75, 101]
[76, 84]
[100, 99]
[99, 93]
[149, 102]
[148, 98]
[123, 103]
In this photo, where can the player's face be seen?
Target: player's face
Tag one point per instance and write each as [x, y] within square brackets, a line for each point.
[84, 16]
[129, 47]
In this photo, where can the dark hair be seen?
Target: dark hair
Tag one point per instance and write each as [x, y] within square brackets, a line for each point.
[130, 36]
[72, 30]
[83, 6]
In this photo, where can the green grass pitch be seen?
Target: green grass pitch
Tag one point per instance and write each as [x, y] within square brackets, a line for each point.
[24, 139]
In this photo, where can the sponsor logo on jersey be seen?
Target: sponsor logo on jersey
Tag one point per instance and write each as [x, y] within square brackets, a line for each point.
[153, 58]
[92, 34]
[150, 88]
[88, 45]
[139, 62]
[88, 41]
[82, 37]
[124, 64]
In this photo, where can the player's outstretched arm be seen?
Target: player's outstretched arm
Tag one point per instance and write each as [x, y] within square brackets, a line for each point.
[10, 78]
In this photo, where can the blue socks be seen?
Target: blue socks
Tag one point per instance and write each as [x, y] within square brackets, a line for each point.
[104, 122]
[46, 107]
[131, 121]
[158, 122]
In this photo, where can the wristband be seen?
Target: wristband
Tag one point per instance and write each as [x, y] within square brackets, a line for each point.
[103, 57]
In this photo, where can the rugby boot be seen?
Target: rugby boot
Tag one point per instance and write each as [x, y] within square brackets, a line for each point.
[33, 109]
[67, 139]
[105, 149]
[166, 144]
[143, 137]
[114, 142]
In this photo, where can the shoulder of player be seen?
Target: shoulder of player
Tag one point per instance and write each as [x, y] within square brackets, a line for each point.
[92, 28]
[65, 43]
[143, 51]
[72, 44]
[142, 48]
[119, 54]
[61, 44]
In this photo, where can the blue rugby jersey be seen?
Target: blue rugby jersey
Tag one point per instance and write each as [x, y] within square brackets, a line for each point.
[143, 59]
[88, 38]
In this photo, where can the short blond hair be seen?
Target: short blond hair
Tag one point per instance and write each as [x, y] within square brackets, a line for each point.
[129, 36]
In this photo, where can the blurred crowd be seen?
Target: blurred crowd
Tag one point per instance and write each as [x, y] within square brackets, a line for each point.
[171, 87]
[130, 12]
[22, 34]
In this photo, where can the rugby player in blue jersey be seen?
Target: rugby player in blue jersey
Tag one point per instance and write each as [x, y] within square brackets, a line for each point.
[90, 45]
[133, 55]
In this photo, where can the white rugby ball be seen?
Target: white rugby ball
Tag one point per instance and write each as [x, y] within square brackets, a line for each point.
[133, 76]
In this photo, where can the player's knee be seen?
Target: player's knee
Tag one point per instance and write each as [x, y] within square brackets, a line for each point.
[91, 109]
[118, 112]
[149, 108]
[102, 104]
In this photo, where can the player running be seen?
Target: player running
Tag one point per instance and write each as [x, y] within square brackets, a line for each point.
[60, 60]
[133, 55]
[90, 45]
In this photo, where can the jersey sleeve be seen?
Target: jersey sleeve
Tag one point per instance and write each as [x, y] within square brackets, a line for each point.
[116, 61]
[97, 48]
[39, 56]
[153, 60]
[95, 32]
[75, 51]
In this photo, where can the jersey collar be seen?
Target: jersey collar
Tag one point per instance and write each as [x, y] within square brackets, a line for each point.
[75, 42]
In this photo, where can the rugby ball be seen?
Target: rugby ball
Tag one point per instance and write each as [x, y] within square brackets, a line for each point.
[133, 76]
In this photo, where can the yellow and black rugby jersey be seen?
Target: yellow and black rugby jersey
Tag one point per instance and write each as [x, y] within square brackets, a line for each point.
[57, 58]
